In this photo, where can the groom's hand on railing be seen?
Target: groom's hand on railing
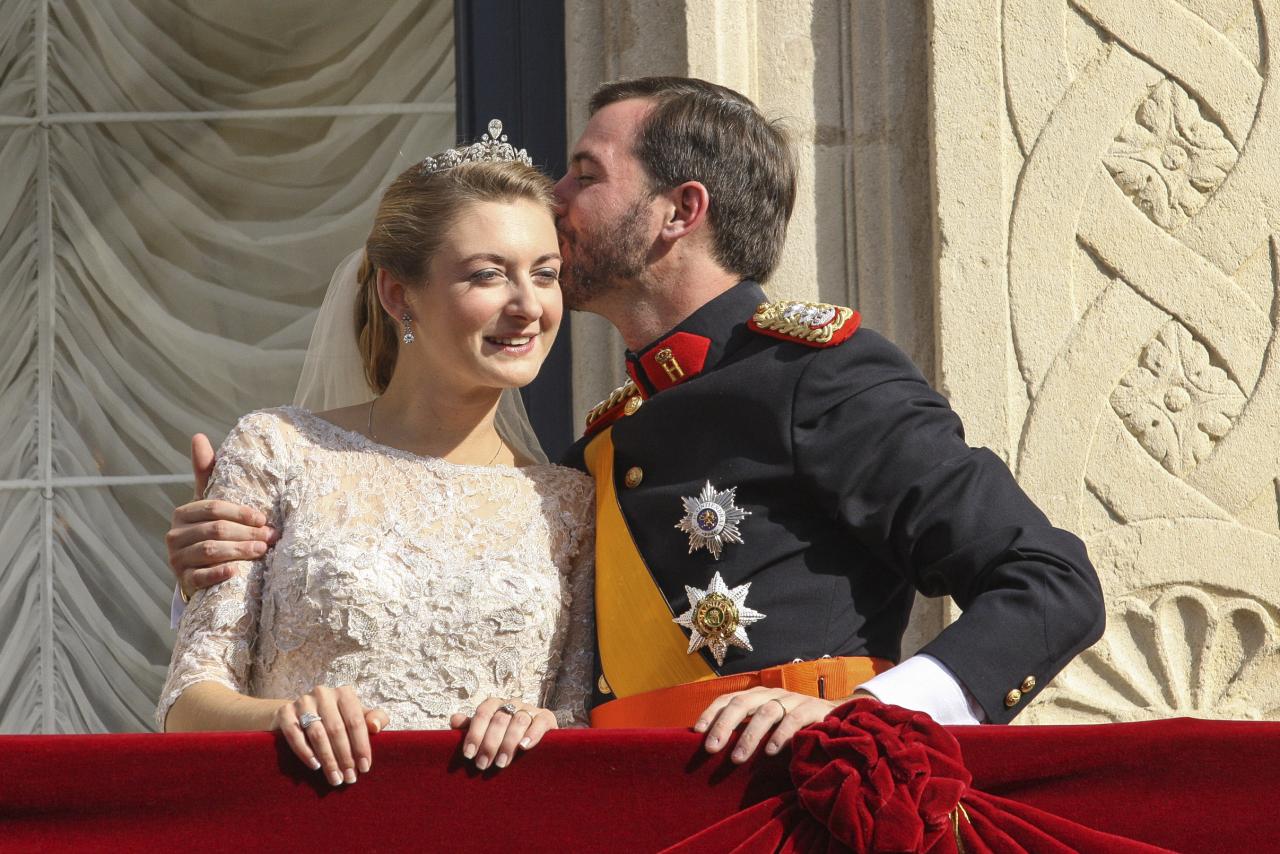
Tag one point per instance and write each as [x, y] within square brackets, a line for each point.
[207, 536]
[501, 727]
[766, 710]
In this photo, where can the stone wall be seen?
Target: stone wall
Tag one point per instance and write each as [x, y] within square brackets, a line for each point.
[1064, 212]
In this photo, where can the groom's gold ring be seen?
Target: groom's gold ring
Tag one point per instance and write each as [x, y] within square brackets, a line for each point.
[785, 711]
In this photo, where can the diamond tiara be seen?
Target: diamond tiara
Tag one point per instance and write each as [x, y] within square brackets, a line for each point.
[493, 147]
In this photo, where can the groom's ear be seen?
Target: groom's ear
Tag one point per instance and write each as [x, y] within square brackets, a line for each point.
[689, 204]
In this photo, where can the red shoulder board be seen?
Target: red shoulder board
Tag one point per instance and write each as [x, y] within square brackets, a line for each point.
[613, 407]
[816, 324]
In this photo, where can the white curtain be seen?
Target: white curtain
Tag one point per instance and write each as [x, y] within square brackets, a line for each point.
[177, 180]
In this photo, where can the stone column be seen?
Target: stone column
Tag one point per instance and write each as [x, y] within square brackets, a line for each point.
[1107, 199]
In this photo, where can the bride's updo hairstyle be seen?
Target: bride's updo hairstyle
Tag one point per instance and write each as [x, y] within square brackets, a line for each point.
[412, 218]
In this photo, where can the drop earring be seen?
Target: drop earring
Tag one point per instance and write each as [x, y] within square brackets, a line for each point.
[407, 322]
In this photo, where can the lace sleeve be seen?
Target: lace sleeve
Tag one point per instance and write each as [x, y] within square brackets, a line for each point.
[217, 632]
[573, 681]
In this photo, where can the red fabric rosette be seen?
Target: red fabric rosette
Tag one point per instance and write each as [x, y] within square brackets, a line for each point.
[876, 778]
[879, 778]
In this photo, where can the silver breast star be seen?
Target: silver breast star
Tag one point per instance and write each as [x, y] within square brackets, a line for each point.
[711, 520]
[718, 618]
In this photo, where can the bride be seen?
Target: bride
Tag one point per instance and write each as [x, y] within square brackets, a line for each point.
[428, 557]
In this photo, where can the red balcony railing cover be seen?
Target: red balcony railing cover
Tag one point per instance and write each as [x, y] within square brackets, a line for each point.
[1182, 784]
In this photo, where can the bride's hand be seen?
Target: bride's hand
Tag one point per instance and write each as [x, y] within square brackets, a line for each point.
[495, 731]
[338, 741]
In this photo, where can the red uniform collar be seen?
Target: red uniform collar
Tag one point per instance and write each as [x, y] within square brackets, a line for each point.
[697, 344]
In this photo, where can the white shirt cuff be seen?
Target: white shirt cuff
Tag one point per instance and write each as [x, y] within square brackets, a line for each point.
[176, 607]
[924, 684]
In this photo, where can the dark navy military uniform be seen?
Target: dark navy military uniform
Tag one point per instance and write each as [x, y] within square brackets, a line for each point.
[860, 489]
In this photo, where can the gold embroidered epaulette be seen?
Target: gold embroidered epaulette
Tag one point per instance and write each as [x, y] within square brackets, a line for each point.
[617, 404]
[816, 324]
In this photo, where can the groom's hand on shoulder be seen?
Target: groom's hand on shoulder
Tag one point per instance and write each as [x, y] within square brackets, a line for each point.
[208, 535]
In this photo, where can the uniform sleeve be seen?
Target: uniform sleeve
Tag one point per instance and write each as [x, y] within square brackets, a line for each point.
[577, 660]
[886, 455]
[218, 628]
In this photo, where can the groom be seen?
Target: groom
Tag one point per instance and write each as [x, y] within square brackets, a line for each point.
[773, 482]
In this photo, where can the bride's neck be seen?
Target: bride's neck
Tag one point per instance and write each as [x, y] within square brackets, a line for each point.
[429, 418]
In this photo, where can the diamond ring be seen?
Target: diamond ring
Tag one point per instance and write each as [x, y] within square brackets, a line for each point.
[307, 719]
[509, 708]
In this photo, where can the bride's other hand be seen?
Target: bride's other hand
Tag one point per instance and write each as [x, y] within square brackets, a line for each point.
[499, 727]
[336, 737]
[207, 536]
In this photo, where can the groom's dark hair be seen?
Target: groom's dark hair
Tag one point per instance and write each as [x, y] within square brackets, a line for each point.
[700, 131]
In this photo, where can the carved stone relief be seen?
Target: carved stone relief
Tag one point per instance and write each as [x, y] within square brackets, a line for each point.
[1138, 204]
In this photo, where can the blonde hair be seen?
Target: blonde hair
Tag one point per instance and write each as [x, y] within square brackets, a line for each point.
[415, 212]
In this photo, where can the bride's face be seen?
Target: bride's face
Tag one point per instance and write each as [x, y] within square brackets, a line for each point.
[490, 308]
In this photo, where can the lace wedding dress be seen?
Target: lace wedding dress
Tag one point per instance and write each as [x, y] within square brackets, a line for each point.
[425, 585]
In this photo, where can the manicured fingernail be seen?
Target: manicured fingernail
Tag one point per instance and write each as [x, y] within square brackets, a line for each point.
[713, 741]
[525, 742]
[314, 763]
[771, 749]
[259, 520]
[502, 760]
[482, 763]
[469, 751]
[258, 547]
[700, 726]
[377, 727]
[335, 778]
[364, 765]
[349, 775]
[739, 754]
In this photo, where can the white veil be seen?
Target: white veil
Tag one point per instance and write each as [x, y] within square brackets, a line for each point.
[333, 372]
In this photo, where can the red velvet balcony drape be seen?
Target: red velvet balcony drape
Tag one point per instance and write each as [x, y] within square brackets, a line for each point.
[1182, 784]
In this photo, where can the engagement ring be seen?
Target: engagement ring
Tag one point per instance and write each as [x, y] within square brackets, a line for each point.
[307, 719]
[509, 708]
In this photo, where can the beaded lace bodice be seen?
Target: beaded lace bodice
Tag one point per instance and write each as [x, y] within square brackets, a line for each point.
[425, 585]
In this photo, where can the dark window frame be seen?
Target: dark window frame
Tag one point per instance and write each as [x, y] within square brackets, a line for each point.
[509, 57]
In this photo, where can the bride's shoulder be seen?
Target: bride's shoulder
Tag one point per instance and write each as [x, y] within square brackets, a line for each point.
[572, 488]
[272, 427]
[563, 477]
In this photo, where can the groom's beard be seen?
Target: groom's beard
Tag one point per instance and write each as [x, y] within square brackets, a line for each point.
[603, 256]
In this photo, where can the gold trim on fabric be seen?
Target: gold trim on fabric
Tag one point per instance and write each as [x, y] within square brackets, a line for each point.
[772, 316]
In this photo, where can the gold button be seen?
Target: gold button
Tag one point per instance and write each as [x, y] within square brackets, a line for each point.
[603, 685]
[633, 403]
[634, 475]
[1012, 698]
[1028, 684]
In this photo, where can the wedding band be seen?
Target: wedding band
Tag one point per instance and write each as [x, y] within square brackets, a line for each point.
[307, 719]
[780, 706]
[509, 708]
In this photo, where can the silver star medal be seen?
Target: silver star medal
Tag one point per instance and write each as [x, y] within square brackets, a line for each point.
[718, 618]
[711, 520]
